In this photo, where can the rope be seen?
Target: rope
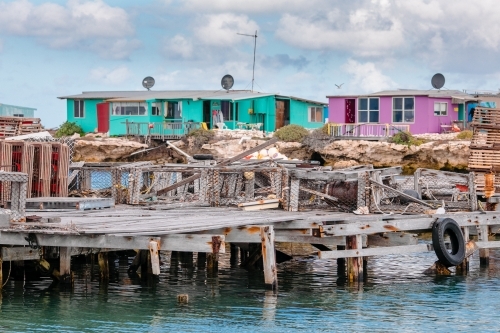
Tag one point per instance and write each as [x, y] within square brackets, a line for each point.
[8, 275]
[376, 204]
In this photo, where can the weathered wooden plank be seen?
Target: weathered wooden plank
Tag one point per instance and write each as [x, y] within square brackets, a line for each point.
[378, 251]
[177, 242]
[269, 257]
[420, 223]
[19, 253]
[392, 239]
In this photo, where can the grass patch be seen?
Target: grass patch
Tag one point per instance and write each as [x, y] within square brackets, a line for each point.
[200, 136]
[405, 138]
[291, 133]
[465, 135]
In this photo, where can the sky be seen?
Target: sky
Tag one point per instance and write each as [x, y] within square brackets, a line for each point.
[304, 47]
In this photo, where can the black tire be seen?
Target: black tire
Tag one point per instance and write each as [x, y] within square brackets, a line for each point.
[448, 226]
[203, 157]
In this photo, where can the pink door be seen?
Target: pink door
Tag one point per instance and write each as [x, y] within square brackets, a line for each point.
[350, 111]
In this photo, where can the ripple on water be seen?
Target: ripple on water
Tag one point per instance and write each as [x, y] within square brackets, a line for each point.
[396, 296]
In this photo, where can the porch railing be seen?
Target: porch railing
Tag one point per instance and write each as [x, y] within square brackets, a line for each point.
[164, 130]
[357, 130]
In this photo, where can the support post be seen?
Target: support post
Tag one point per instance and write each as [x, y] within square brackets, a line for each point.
[269, 257]
[341, 263]
[201, 260]
[1, 274]
[102, 259]
[213, 258]
[463, 268]
[294, 195]
[65, 265]
[233, 259]
[484, 254]
[354, 265]
[154, 247]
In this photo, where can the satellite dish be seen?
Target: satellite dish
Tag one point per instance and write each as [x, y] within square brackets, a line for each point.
[148, 82]
[227, 82]
[438, 81]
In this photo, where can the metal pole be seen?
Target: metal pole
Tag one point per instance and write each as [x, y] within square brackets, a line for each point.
[254, 49]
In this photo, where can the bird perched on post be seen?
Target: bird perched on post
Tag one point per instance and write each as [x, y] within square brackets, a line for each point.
[339, 85]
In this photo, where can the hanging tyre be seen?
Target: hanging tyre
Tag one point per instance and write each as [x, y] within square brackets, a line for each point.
[456, 254]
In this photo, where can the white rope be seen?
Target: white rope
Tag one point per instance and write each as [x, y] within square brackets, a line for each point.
[8, 275]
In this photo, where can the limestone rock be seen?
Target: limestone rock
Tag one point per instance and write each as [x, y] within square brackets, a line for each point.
[105, 149]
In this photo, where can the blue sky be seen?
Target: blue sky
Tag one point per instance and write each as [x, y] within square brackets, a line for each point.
[56, 48]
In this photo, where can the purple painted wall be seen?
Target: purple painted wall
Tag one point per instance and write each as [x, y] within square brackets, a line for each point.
[425, 120]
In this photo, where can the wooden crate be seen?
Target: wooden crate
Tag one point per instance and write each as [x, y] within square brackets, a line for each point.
[486, 117]
[485, 138]
[481, 159]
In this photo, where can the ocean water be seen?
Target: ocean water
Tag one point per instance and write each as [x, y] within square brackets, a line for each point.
[396, 297]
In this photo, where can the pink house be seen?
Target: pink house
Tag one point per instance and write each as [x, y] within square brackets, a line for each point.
[424, 111]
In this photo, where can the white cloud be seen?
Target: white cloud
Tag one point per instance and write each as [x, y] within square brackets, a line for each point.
[254, 6]
[222, 29]
[366, 77]
[78, 24]
[110, 76]
[179, 46]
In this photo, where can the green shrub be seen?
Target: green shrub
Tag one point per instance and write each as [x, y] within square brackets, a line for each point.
[291, 133]
[465, 135]
[405, 138]
[201, 136]
[68, 129]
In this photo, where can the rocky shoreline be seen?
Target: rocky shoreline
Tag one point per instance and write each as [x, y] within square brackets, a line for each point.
[443, 152]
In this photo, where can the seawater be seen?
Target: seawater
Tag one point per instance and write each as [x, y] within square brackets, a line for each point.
[396, 297]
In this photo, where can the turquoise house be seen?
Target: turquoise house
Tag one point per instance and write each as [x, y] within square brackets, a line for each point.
[7, 110]
[174, 113]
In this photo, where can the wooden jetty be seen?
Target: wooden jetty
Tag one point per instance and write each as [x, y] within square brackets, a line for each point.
[202, 206]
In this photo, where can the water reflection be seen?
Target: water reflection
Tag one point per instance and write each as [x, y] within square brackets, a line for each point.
[395, 296]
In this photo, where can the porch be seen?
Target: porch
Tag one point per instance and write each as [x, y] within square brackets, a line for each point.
[365, 131]
[161, 131]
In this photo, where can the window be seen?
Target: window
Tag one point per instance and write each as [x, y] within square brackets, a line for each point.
[129, 109]
[315, 114]
[155, 109]
[403, 110]
[174, 110]
[78, 109]
[368, 110]
[440, 109]
[226, 108]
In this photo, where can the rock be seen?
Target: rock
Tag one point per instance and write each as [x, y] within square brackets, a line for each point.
[106, 149]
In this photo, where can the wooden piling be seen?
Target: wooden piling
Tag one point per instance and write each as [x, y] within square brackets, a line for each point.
[484, 254]
[233, 259]
[354, 265]
[212, 264]
[102, 258]
[341, 263]
[1, 266]
[154, 255]
[65, 275]
[463, 268]
[201, 260]
[269, 257]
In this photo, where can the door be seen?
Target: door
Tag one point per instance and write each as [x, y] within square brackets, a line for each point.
[103, 117]
[280, 114]
[350, 111]
[207, 114]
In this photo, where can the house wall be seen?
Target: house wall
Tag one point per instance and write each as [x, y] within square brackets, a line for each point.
[425, 120]
[336, 109]
[299, 114]
[11, 110]
[89, 121]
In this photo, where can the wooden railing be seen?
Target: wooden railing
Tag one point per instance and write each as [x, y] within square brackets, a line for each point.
[358, 130]
[163, 130]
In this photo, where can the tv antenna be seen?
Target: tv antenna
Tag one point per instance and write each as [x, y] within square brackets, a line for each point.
[148, 82]
[437, 81]
[254, 48]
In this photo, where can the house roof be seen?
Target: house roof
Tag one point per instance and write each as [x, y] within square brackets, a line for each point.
[134, 96]
[457, 94]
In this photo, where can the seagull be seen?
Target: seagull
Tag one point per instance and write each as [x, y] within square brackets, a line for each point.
[339, 86]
